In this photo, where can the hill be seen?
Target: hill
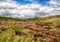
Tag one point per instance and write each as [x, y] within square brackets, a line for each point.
[30, 30]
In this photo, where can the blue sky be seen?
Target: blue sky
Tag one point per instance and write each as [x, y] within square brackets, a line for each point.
[24, 2]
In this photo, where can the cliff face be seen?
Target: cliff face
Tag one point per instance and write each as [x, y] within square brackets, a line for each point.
[31, 30]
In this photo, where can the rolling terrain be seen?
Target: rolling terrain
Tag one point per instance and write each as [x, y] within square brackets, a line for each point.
[30, 30]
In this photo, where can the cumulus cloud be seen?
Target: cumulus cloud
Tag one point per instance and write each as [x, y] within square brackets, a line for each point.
[53, 3]
[9, 8]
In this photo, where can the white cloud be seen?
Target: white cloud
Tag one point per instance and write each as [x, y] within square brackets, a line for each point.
[11, 9]
[53, 3]
[5, 0]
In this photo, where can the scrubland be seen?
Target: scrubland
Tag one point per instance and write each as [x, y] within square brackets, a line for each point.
[30, 30]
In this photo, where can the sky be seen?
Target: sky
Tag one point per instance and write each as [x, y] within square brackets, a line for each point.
[42, 2]
[29, 8]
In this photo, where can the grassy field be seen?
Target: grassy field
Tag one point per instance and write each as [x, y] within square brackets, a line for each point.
[30, 30]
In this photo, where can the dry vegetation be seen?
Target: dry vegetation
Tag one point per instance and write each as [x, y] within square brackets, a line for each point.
[30, 30]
